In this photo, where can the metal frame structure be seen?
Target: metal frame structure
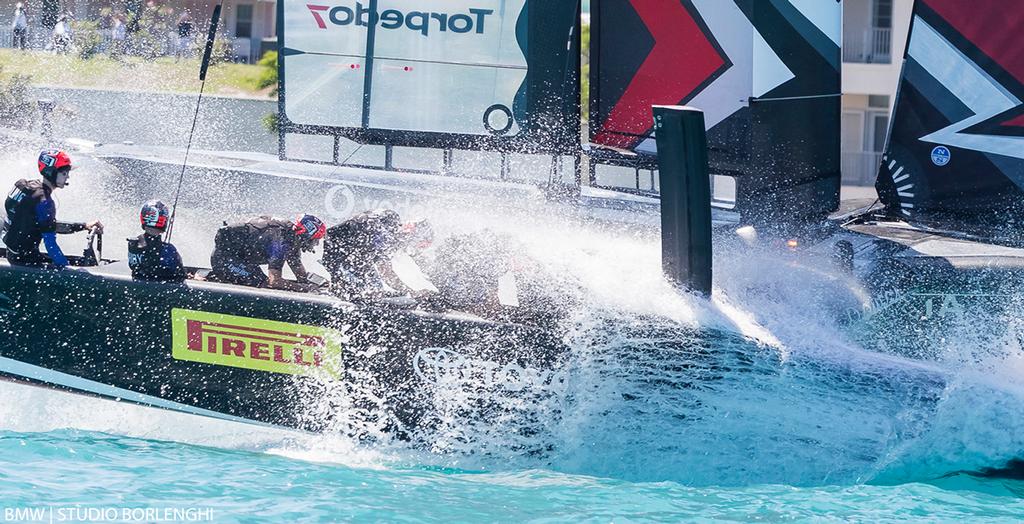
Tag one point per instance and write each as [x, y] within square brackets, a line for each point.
[538, 138]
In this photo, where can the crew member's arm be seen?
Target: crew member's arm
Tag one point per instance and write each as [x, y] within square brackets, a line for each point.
[295, 263]
[65, 228]
[52, 249]
[46, 218]
[276, 280]
[279, 253]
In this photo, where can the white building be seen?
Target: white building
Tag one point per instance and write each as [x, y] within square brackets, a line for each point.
[874, 36]
[246, 22]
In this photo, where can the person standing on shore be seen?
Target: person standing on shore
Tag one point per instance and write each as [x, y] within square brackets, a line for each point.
[118, 34]
[184, 47]
[19, 27]
[62, 39]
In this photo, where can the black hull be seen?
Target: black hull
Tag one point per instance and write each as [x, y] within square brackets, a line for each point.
[98, 332]
[916, 287]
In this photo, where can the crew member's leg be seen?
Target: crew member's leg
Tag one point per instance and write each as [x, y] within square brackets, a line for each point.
[230, 271]
[33, 259]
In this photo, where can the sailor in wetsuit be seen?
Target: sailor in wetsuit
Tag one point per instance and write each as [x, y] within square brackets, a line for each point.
[240, 249]
[358, 252]
[152, 259]
[32, 215]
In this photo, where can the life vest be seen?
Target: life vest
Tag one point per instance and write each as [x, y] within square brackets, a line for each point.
[154, 260]
[24, 230]
[361, 241]
[248, 242]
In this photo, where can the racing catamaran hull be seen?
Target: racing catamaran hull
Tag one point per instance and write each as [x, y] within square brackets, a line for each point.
[233, 353]
[944, 245]
[913, 287]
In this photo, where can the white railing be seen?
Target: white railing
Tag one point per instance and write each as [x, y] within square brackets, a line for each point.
[873, 46]
[860, 168]
[6, 37]
[36, 39]
[244, 48]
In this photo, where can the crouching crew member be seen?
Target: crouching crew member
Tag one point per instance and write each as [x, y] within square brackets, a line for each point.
[358, 252]
[152, 259]
[240, 249]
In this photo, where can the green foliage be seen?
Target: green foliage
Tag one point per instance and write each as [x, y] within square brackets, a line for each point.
[268, 72]
[154, 25]
[585, 46]
[16, 108]
[270, 122]
[133, 73]
[87, 39]
[221, 53]
[585, 71]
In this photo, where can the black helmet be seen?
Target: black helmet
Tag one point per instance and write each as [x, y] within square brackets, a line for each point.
[155, 214]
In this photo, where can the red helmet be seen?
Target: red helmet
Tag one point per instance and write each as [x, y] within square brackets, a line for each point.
[155, 214]
[418, 234]
[310, 227]
[51, 161]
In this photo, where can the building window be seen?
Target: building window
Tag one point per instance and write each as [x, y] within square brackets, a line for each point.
[878, 101]
[880, 121]
[882, 18]
[243, 21]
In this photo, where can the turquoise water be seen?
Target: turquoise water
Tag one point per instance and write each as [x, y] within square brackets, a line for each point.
[64, 468]
[653, 427]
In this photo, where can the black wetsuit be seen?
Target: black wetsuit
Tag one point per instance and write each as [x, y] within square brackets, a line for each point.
[353, 248]
[31, 219]
[153, 260]
[240, 249]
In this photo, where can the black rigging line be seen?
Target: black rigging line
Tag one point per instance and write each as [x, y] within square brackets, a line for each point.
[207, 52]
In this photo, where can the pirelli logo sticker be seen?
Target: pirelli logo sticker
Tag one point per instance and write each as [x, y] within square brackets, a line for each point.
[250, 343]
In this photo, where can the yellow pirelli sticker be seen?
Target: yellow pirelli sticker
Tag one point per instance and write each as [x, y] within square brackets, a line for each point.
[252, 343]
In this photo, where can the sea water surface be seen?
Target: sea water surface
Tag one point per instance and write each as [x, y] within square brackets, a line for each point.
[756, 405]
[66, 469]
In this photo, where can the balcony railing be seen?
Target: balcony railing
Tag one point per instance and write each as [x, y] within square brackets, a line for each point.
[860, 168]
[873, 46]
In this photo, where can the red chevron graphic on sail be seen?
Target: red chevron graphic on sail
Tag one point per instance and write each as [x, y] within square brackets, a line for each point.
[994, 26]
[682, 59]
